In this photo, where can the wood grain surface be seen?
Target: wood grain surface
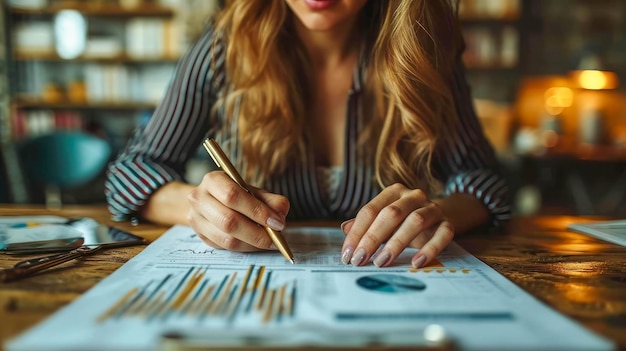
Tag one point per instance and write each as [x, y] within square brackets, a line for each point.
[26, 302]
[579, 276]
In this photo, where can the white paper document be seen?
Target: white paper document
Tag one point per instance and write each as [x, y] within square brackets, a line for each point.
[15, 229]
[180, 286]
[612, 231]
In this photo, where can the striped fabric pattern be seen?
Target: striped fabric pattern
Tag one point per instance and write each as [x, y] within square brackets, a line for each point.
[158, 152]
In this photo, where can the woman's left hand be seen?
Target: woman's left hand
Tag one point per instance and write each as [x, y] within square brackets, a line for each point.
[401, 217]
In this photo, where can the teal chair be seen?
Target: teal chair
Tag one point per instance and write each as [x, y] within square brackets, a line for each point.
[63, 160]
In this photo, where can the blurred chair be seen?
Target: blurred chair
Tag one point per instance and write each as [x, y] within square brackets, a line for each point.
[63, 161]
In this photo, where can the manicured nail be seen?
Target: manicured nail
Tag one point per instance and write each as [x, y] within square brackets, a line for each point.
[275, 223]
[347, 255]
[344, 224]
[418, 262]
[382, 259]
[358, 257]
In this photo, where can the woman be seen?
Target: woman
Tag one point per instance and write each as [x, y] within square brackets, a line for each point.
[340, 109]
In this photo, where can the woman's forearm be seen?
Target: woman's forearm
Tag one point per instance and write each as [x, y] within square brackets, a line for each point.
[168, 205]
[464, 211]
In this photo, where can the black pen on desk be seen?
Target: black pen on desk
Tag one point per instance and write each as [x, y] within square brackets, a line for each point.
[221, 160]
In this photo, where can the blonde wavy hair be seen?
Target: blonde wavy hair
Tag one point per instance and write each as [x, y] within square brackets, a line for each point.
[413, 47]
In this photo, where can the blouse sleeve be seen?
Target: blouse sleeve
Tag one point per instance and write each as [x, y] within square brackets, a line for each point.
[157, 153]
[467, 163]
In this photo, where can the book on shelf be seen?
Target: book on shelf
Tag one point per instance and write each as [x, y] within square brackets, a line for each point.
[120, 83]
[144, 38]
[32, 38]
[486, 47]
[30, 123]
[110, 83]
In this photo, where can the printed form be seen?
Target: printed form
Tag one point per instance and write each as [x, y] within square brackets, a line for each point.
[180, 286]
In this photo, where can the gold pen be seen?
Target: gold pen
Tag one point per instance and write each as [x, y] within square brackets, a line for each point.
[221, 160]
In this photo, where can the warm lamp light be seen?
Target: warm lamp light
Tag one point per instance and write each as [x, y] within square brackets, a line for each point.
[592, 74]
[557, 99]
[595, 79]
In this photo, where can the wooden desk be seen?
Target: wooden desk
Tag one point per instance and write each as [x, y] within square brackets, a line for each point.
[579, 276]
[26, 302]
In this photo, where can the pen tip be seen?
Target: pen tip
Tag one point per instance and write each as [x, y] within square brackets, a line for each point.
[293, 261]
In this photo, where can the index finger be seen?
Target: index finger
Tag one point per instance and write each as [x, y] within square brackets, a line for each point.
[362, 222]
[239, 199]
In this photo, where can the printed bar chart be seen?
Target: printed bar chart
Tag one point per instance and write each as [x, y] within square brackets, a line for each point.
[197, 294]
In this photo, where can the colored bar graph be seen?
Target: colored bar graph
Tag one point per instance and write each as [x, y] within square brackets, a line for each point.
[200, 294]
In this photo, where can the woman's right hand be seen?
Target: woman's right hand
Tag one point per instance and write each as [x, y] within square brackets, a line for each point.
[225, 216]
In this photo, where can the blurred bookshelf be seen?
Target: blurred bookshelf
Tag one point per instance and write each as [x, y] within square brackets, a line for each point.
[128, 53]
[493, 33]
[11, 185]
[518, 54]
[34, 104]
[92, 8]
[95, 65]
[562, 39]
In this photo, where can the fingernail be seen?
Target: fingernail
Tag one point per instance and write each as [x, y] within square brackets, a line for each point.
[382, 259]
[418, 262]
[358, 257]
[344, 224]
[347, 255]
[275, 223]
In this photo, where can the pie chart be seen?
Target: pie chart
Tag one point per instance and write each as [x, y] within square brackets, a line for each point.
[390, 283]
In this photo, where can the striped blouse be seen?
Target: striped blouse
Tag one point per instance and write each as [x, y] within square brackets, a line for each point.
[158, 152]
